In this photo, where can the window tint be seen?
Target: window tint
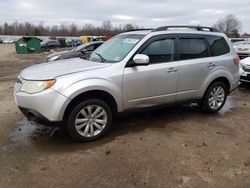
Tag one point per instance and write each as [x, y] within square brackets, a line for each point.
[97, 45]
[160, 51]
[90, 48]
[218, 45]
[192, 48]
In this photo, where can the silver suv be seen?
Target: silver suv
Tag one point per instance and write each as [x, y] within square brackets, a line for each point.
[134, 69]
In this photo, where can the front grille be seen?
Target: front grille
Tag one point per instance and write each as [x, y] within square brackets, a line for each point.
[19, 83]
[19, 80]
[242, 55]
[245, 78]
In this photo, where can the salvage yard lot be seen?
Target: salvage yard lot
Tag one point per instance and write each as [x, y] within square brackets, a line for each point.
[172, 147]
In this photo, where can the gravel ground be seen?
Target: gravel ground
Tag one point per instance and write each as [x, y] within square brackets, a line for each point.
[172, 147]
[11, 63]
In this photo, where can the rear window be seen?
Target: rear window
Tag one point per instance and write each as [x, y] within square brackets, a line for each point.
[218, 45]
[191, 48]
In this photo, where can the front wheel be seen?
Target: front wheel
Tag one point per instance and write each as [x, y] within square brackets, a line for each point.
[214, 98]
[89, 120]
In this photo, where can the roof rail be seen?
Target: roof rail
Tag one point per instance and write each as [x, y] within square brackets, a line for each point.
[142, 29]
[198, 28]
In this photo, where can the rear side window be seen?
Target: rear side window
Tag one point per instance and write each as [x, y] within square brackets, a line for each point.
[218, 45]
[191, 48]
[160, 51]
[97, 45]
[90, 48]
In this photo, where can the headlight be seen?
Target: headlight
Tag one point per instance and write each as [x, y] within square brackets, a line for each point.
[36, 86]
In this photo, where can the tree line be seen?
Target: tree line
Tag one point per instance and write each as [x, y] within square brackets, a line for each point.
[229, 25]
[72, 29]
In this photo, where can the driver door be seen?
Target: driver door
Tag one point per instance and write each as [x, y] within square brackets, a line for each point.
[155, 83]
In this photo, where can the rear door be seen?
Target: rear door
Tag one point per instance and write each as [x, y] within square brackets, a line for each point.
[194, 64]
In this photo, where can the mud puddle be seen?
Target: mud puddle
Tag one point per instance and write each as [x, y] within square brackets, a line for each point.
[27, 132]
[229, 105]
[27, 135]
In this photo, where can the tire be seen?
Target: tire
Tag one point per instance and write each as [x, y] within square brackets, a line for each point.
[82, 127]
[214, 98]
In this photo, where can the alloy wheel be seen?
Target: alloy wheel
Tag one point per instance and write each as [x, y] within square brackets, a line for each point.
[91, 120]
[216, 97]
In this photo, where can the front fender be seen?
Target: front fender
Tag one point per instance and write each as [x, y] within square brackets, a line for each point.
[101, 84]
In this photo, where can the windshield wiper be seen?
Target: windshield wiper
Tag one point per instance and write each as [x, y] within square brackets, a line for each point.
[102, 58]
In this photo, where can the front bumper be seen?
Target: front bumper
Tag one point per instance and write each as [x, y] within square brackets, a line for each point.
[47, 105]
[35, 116]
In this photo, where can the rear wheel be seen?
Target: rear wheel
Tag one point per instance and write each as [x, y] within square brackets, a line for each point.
[214, 98]
[89, 120]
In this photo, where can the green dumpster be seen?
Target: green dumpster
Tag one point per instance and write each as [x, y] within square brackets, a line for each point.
[27, 45]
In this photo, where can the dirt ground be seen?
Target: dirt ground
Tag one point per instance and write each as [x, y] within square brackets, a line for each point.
[173, 147]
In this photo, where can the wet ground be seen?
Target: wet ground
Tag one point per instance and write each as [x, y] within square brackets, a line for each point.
[171, 147]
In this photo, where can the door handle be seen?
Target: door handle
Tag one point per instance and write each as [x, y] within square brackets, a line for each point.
[171, 69]
[210, 65]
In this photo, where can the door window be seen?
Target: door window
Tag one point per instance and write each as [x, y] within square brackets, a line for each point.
[160, 51]
[192, 48]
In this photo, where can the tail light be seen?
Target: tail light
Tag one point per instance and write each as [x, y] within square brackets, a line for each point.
[237, 61]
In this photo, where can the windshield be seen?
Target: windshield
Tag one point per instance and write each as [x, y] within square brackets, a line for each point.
[115, 49]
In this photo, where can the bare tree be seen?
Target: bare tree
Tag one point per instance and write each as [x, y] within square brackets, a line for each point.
[54, 30]
[229, 25]
[73, 29]
[130, 26]
[27, 28]
[107, 27]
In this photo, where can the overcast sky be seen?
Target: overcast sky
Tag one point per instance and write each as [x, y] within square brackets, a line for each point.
[146, 13]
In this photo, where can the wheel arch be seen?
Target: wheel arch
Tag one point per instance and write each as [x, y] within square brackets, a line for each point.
[222, 79]
[93, 94]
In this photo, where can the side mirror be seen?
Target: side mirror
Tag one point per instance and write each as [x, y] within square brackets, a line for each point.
[141, 59]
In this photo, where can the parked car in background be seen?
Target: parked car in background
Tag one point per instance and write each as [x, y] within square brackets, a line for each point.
[234, 40]
[73, 43]
[50, 44]
[245, 70]
[235, 44]
[8, 41]
[243, 49]
[131, 70]
[82, 51]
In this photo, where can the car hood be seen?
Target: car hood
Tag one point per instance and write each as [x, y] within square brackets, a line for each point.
[57, 53]
[46, 71]
[245, 61]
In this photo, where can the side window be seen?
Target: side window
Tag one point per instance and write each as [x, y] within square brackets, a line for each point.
[97, 45]
[191, 48]
[90, 48]
[160, 51]
[218, 45]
